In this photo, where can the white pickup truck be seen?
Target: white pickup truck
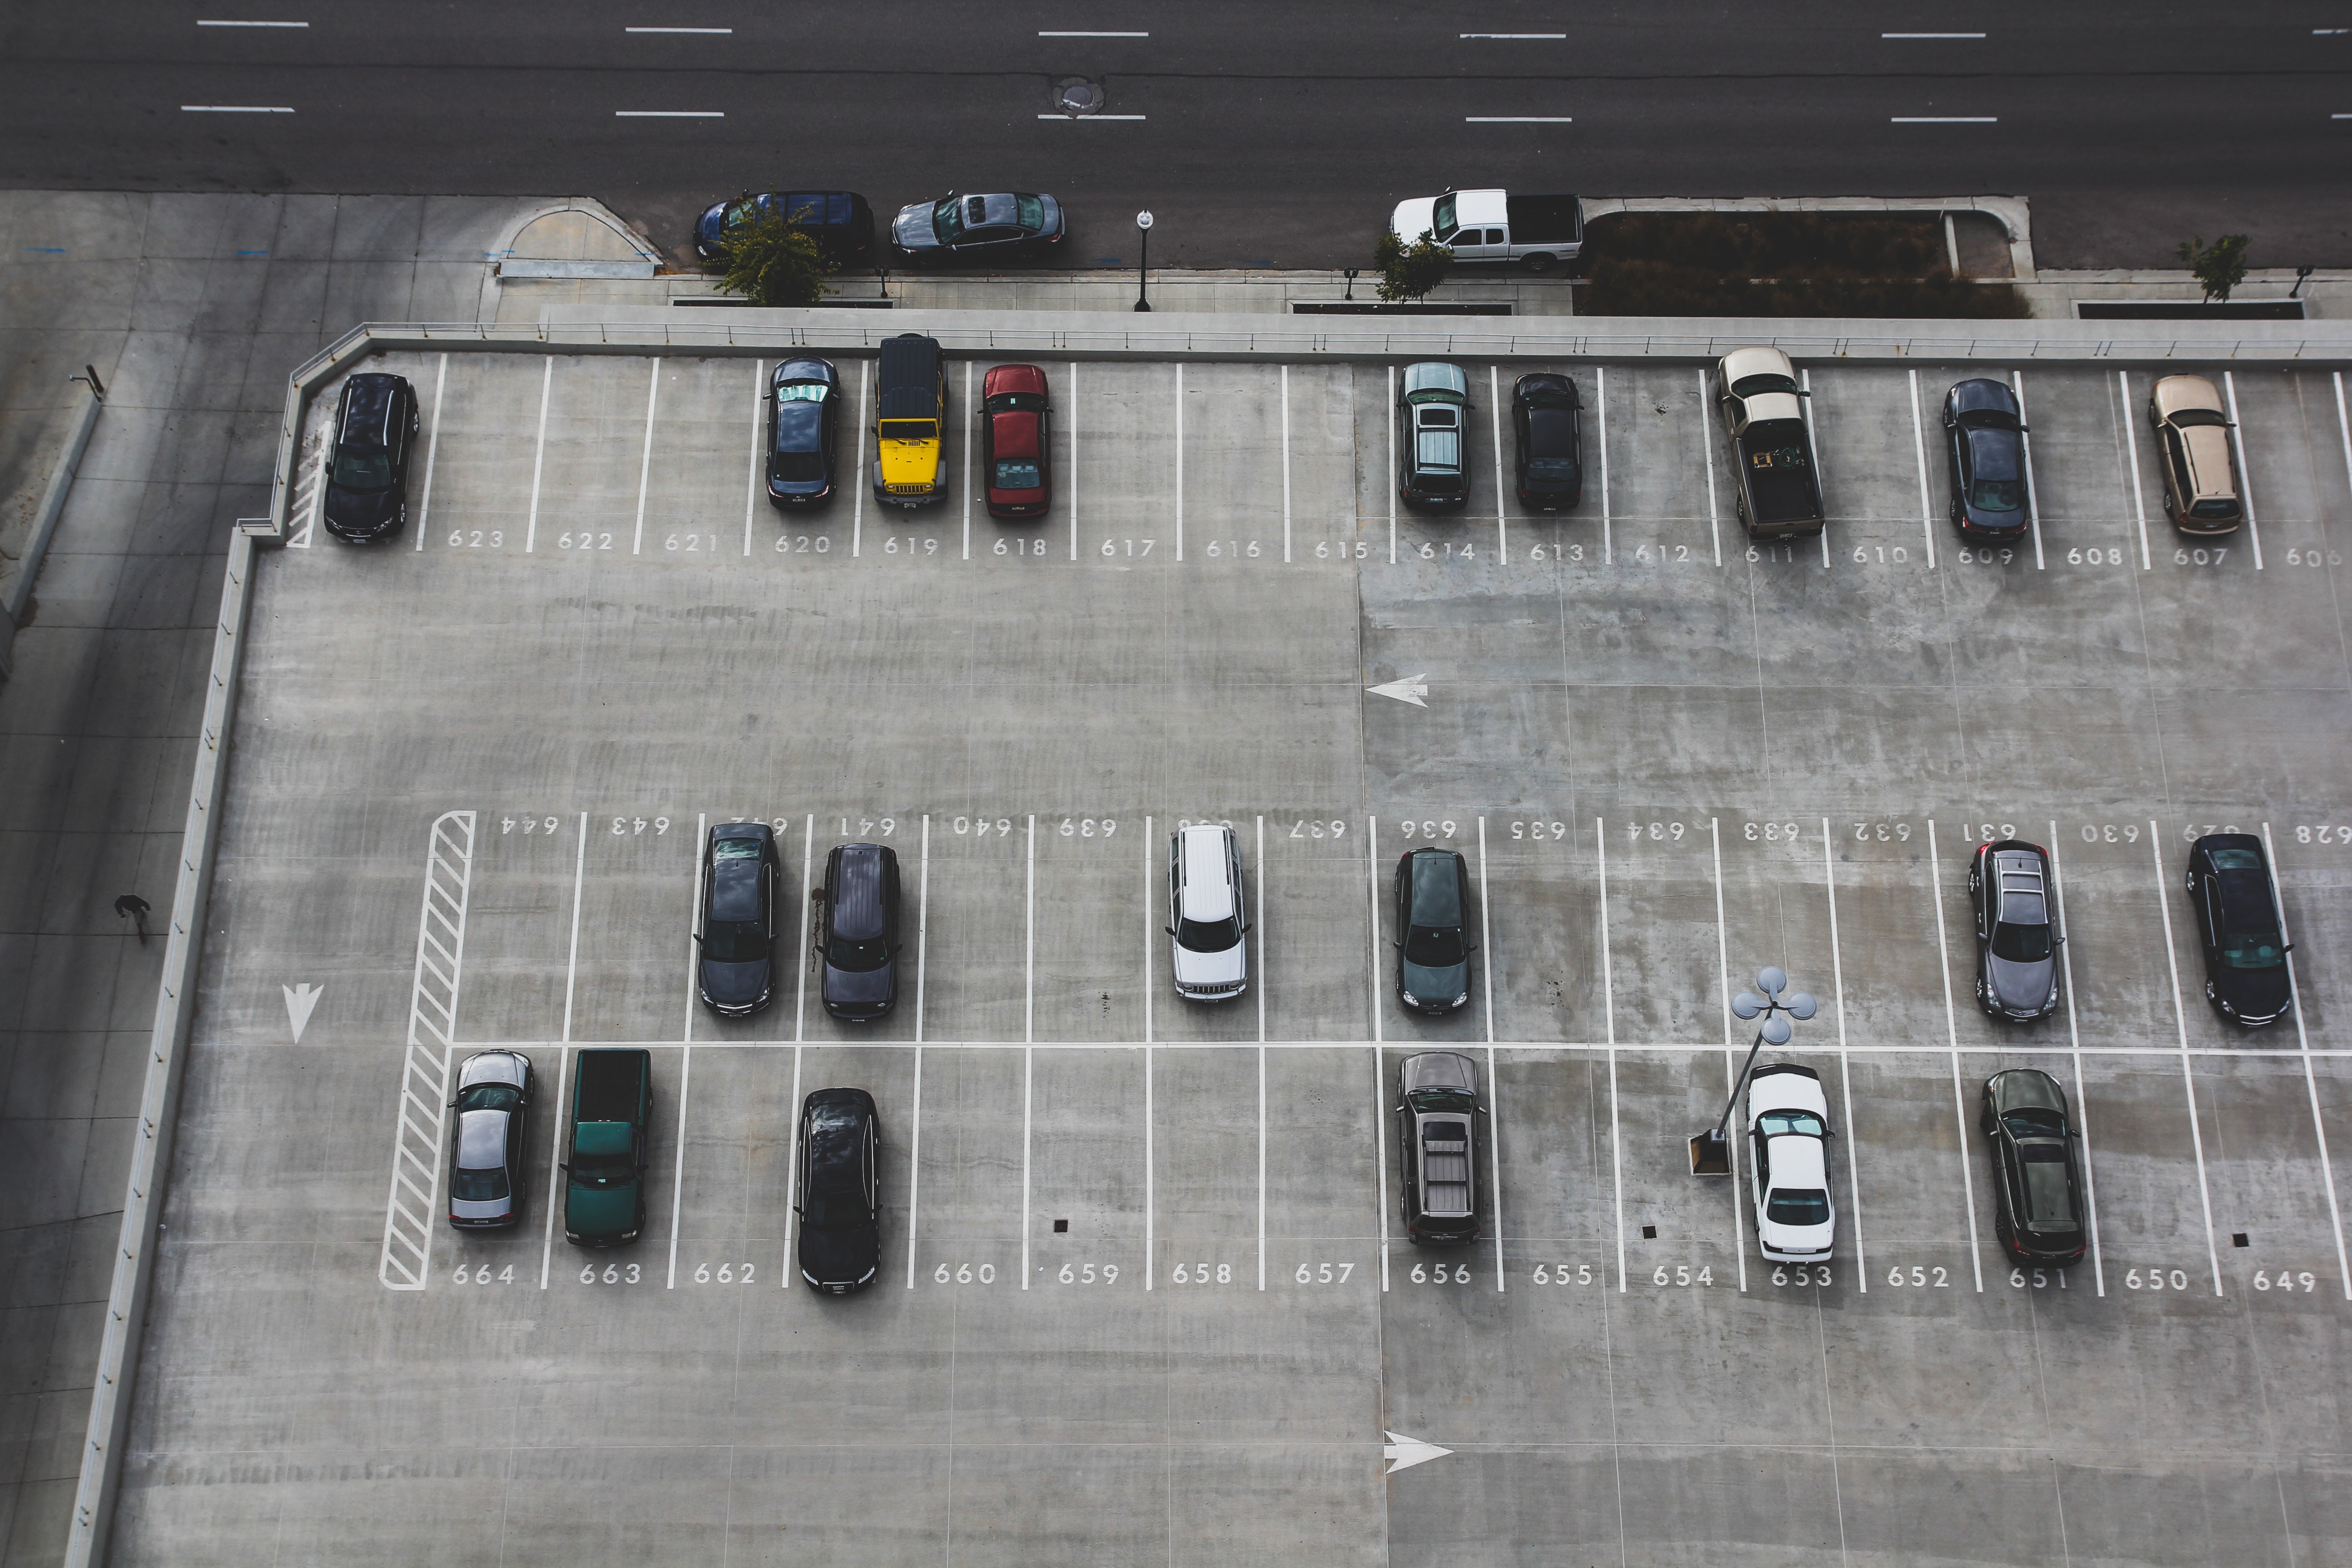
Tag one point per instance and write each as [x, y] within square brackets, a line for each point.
[1495, 226]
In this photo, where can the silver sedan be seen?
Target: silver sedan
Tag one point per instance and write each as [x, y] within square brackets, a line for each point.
[486, 1157]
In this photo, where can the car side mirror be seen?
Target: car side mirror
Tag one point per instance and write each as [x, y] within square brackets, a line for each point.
[1804, 392]
[564, 1166]
[1169, 929]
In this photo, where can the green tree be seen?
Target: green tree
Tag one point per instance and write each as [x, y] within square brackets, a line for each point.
[771, 263]
[1410, 271]
[2220, 266]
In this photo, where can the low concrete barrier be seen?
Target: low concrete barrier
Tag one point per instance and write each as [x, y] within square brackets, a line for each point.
[30, 518]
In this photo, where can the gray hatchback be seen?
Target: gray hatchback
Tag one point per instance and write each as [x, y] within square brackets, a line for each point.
[2017, 931]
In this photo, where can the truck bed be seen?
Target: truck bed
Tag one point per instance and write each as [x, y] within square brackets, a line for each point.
[1776, 466]
[612, 1085]
[1545, 220]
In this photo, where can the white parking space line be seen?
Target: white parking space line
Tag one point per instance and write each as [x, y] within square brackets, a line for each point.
[539, 454]
[677, 1177]
[1379, 1097]
[1730, 1049]
[1609, 1012]
[2032, 496]
[1388, 418]
[2074, 1043]
[1180, 461]
[1150, 1195]
[693, 965]
[1813, 451]
[441, 383]
[972, 413]
[1028, 1042]
[915, 1137]
[2245, 478]
[1258, 909]
[784, 1270]
[2181, 1022]
[2310, 1084]
[800, 953]
[1952, 1033]
[1845, 1070]
[1285, 489]
[759, 440]
[2343, 431]
[645, 464]
[858, 477]
[1714, 518]
[2131, 466]
[1494, 1079]
[554, 1188]
[563, 1050]
[1072, 502]
[1919, 450]
[571, 963]
[1495, 429]
[1600, 396]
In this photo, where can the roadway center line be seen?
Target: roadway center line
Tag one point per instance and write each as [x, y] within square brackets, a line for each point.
[2310, 1084]
[1517, 119]
[1931, 35]
[1731, 1073]
[1494, 1077]
[2131, 465]
[1845, 1071]
[759, 441]
[2245, 476]
[699, 30]
[253, 24]
[1919, 450]
[233, 109]
[433, 443]
[1084, 33]
[1512, 36]
[645, 464]
[915, 1140]
[1952, 1033]
[1090, 116]
[1495, 427]
[1600, 398]
[1609, 1007]
[2181, 1023]
[539, 456]
[2074, 1043]
[1944, 120]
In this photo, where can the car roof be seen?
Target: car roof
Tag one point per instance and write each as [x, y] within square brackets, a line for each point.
[2175, 392]
[1435, 874]
[1013, 378]
[1438, 1070]
[1983, 392]
[482, 1140]
[857, 891]
[1207, 891]
[1435, 376]
[1741, 363]
[1013, 432]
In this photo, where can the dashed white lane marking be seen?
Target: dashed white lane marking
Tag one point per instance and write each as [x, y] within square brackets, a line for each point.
[2075, 1044]
[2245, 476]
[1944, 120]
[915, 1140]
[1931, 35]
[2131, 466]
[1951, 1032]
[1086, 33]
[2181, 1023]
[433, 446]
[2310, 1083]
[414, 1201]
[1919, 451]
[715, 31]
[539, 454]
[1090, 116]
[1517, 119]
[669, 114]
[2032, 496]
[1845, 1071]
[253, 24]
[233, 109]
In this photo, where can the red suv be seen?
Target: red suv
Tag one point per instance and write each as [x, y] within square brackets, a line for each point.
[1016, 423]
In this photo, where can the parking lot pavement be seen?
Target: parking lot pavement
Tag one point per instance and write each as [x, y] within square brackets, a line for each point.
[1155, 1244]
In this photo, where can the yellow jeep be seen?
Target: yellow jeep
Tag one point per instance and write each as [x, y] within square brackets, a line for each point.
[911, 464]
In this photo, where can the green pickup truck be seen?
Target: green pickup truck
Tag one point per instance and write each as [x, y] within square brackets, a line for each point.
[612, 1111]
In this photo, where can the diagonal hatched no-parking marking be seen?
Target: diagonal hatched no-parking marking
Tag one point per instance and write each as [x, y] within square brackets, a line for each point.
[406, 1260]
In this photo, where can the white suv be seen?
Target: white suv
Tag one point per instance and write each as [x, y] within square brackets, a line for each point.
[1206, 913]
[1787, 1141]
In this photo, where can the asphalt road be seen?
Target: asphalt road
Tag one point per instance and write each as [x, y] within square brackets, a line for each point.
[1267, 135]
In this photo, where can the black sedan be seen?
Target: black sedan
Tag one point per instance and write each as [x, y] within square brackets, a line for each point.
[804, 431]
[486, 1158]
[2017, 934]
[2237, 915]
[2037, 1177]
[840, 1177]
[1548, 418]
[367, 468]
[1433, 908]
[857, 932]
[1012, 226]
[1984, 445]
[743, 872]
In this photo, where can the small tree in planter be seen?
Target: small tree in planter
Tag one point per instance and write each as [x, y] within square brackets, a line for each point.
[1410, 271]
[771, 263]
[2220, 266]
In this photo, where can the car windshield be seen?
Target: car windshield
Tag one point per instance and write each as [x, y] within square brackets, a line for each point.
[1033, 213]
[2187, 416]
[1551, 469]
[910, 429]
[734, 942]
[859, 957]
[1017, 474]
[602, 1170]
[2021, 944]
[477, 1187]
[490, 1097]
[1997, 495]
[362, 470]
[1017, 403]
[1803, 1123]
[1433, 947]
[1208, 936]
[1798, 1206]
[947, 219]
[803, 392]
[1441, 219]
[1442, 1099]
[2034, 1121]
[2214, 509]
[1756, 385]
[2252, 950]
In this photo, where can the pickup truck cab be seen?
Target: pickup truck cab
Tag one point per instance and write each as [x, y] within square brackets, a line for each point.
[605, 1167]
[911, 464]
[1541, 232]
[1771, 444]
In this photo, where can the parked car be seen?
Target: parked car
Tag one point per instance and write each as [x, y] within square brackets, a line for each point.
[2017, 930]
[910, 460]
[1984, 445]
[612, 1129]
[1010, 225]
[1787, 1140]
[367, 467]
[1015, 449]
[840, 222]
[486, 1158]
[1432, 916]
[2192, 447]
[1760, 398]
[742, 873]
[1431, 414]
[840, 1205]
[857, 932]
[1439, 1131]
[804, 431]
[1548, 423]
[1495, 226]
[2237, 924]
[2037, 1179]
[1208, 917]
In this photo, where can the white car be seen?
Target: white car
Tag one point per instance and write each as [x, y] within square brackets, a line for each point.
[1206, 914]
[1787, 1144]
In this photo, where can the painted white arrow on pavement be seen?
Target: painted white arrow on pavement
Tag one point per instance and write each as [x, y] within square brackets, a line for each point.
[1411, 688]
[1403, 1453]
[299, 1000]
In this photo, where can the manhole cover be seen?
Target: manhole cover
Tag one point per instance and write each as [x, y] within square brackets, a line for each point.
[1079, 96]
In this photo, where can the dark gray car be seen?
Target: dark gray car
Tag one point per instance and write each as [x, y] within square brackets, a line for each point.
[742, 873]
[1433, 905]
[2017, 929]
[857, 932]
[1005, 225]
[804, 431]
[486, 1156]
[1439, 1132]
[2038, 1204]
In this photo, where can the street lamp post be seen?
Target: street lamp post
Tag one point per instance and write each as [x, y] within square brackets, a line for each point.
[1143, 227]
[1711, 1152]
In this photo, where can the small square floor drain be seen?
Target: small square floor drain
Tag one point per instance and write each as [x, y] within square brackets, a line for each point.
[1060, 1226]
[2238, 1238]
[1649, 1232]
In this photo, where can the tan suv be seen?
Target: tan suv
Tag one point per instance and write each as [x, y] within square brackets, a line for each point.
[2192, 441]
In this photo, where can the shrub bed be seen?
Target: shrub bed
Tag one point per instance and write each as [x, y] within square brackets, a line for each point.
[1776, 264]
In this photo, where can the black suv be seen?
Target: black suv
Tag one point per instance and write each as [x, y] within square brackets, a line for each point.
[2238, 922]
[1548, 420]
[2037, 1179]
[840, 1204]
[367, 467]
[742, 873]
[1433, 910]
[857, 932]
